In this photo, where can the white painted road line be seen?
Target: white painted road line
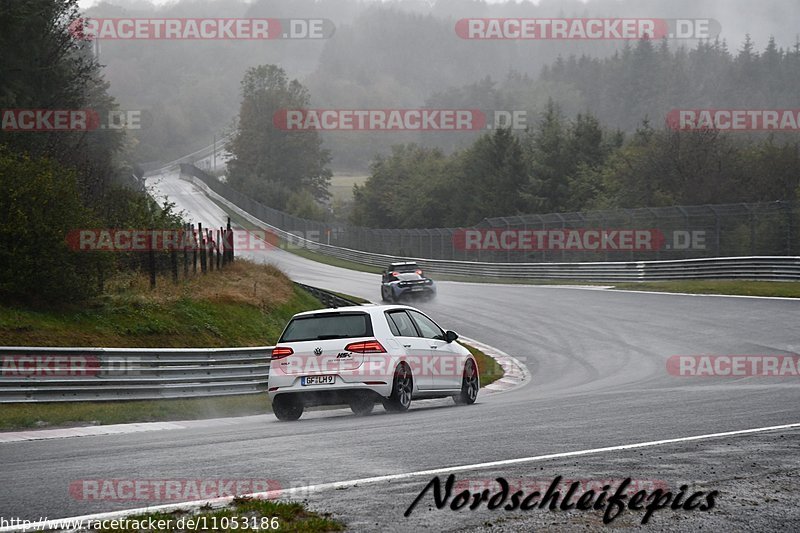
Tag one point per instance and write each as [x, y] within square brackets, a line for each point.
[218, 502]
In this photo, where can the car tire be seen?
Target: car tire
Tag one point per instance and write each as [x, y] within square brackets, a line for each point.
[362, 405]
[384, 297]
[470, 385]
[402, 386]
[287, 408]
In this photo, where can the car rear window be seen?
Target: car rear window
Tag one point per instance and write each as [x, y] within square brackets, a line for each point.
[327, 326]
[405, 268]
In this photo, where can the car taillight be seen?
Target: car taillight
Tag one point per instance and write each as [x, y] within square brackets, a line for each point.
[395, 274]
[365, 347]
[279, 352]
[419, 272]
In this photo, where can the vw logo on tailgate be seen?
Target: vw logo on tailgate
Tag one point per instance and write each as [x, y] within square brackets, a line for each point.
[317, 351]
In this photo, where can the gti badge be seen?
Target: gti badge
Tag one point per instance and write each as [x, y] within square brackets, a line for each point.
[318, 351]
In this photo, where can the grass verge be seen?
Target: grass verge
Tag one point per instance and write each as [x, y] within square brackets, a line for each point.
[243, 305]
[241, 514]
[490, 370]
[786, 289]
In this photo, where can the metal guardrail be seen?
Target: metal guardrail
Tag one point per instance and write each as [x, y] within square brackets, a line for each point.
[327, 298]
[667, 233]
[100, 374]
[763, 268]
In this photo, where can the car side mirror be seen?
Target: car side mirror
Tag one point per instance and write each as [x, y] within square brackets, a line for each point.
[450, 336]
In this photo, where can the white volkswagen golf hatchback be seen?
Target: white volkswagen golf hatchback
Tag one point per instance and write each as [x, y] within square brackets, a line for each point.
[363, 355]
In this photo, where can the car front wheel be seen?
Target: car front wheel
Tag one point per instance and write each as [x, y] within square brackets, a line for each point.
[402, 385]
[286, 407]
[470, 384]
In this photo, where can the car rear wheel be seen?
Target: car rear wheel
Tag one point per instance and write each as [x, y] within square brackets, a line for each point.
[470, 384]
[402, 385]
[286, 407]
[362, 405]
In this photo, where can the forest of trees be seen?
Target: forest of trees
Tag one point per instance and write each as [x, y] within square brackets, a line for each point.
[564, 165]
[55, 181]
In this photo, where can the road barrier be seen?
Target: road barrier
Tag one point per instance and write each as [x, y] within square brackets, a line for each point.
[101, 374]
[327, 298]
[763, 268]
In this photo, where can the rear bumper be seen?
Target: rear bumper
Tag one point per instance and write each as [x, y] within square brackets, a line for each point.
[339, 392]
[427, 290]
[310, 398]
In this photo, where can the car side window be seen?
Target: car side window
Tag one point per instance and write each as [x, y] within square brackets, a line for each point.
[427, 327]
[392, 326]
[402, 324]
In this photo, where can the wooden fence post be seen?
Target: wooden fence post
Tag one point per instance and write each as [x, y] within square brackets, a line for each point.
[203, 245]
[151, 259]
[184, 243]
[219, 250]
[210, 248]
[194, 251]
[229, 246]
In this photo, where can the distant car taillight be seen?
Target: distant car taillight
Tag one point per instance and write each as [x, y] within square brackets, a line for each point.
[395, 274]
[419, 272]
[365, 347]
[279, 352]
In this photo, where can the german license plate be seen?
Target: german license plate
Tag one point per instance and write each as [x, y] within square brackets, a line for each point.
[416, 289]
[317, 380]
